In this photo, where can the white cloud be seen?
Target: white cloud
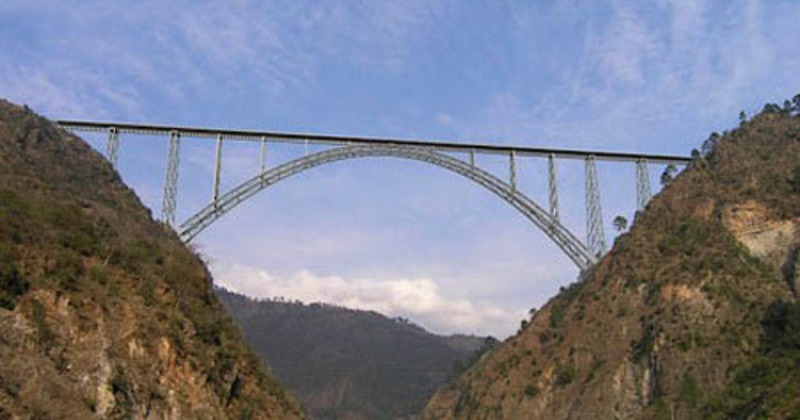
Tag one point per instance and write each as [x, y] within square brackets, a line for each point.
[421, 299]
[120, 54]
[623, 48]
[651, 72]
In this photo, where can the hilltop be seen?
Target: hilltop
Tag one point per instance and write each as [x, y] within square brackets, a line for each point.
[692, 314]
[350, 364]
[103, 311]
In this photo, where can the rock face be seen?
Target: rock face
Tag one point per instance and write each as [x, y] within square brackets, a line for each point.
[104, 313]
[679, 319]
[775, 242]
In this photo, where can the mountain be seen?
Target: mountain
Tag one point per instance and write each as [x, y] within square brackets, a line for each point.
[692, 314]
[349, 364]
[103, 311]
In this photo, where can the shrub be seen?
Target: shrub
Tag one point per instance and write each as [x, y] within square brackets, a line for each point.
[531, 390]
[644, 346]
[565, 374]
[98, 275]
[564, 299]
[12, 284]
[690, 390]
[796, 179]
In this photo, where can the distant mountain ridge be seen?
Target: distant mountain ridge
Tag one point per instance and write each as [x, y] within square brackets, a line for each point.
[349, 364]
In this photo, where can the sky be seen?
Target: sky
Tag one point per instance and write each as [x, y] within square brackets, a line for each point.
[403, 238]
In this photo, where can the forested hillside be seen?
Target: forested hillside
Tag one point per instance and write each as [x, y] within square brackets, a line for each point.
[349, 364]
[692, 314]
[104, 313]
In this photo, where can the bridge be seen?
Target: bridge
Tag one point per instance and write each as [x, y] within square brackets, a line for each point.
[459, 158]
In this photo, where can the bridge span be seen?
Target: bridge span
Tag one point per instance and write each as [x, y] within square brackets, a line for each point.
[457, 157]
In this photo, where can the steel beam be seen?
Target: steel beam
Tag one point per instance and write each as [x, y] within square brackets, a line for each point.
[553, 184]
[263, 155]
[643, 192]
[169, 204]
[440, 146]
[512, 169]
[217, 170]
[595, 236]
[112, 146]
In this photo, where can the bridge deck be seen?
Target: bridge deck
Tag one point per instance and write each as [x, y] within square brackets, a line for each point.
[253, 135]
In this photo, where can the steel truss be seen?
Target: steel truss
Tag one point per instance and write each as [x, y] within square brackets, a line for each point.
[595, 235]
[643, 192]
[169, 204]
[584, 255]
[563, 238]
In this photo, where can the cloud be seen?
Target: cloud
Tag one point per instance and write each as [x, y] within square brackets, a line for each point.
[132, 56]
[421, 299]
[623, 48]
[649, 74]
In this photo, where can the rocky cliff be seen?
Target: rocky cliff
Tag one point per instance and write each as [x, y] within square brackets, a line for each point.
[103, 311]
[692, 314]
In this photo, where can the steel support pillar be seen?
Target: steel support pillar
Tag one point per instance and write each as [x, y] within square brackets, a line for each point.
[596, 239]
[263, 154]
[171, 179]
[512, 169]
[553, 184]
[643, 192]
[472, 158]
[217, 170]
[112, 146]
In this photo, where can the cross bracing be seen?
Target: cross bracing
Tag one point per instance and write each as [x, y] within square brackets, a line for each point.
[439, 153]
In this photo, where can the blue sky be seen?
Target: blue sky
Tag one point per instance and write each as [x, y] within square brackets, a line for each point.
[401, 237]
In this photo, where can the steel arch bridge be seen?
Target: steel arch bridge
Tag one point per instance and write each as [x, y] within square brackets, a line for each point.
[340, 148]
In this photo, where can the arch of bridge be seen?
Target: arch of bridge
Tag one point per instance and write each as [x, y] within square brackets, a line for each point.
[560, 235]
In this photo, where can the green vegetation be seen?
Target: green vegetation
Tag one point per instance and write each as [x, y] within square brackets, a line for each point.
[596, 365]
[767, 387]
[376, 366]
[642, 348]
[12, 284]
[668, 175]
[565, 374]
[620, 223]
[559, 306]
[531, 390]
[679, 302]
[83, 261]
[795, 181]
[689, 393]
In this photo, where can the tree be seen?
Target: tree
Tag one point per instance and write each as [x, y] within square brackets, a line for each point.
[710, 144]
[771, 108]
[697, 158]
[796, 101]
[620, 223]
[668, 174]
[787, 107]
[742, 117]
